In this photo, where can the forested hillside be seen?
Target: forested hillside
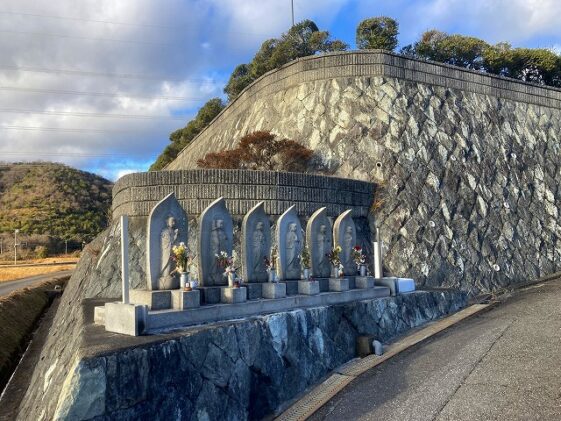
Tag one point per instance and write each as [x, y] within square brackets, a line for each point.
[53, 199]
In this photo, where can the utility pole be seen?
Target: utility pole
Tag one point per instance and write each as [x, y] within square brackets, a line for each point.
[65, 246]
[1, 246]
[16, 247]
[292, 7]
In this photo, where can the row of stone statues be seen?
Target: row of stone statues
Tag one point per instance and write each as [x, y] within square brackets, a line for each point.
[167, 228]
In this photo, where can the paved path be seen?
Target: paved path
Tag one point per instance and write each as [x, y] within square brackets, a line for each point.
[504, 364]
[9, 286]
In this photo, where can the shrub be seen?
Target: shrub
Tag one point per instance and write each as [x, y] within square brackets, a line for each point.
[261, 151]
[41, 252]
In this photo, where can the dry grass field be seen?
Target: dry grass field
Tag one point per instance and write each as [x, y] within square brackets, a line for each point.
[13, 273]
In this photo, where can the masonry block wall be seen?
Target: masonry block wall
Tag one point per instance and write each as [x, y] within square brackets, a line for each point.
[467, 162]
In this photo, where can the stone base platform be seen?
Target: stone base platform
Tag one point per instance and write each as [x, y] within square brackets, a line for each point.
[338, 284]
[233, 295]
[308, 287]
[364, 282]
[182, 300]
[396, 285]
[274, 290]
[155, 300]
[158, 320]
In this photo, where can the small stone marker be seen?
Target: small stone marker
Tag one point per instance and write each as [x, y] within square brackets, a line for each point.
[308, 287]
[125, 258]
[319, 239]
[233, 295]
[167, 227]
[290, 244]
[344, 234]
[338, 284]
[215, 236]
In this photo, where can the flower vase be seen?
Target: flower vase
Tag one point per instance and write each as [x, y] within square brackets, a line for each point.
[362, 270]
[334, 271]
[273, 275]
[231, 278]
[341, 273]
[306, 275]
[183, 279]
[194, 283]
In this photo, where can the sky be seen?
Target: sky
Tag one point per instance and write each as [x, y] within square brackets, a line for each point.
[100, 84]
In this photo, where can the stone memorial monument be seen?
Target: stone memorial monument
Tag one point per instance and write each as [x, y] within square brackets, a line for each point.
[167, 227]
[344, 234]
[290, 244]
[319, 240]
[215, 236]
[256, 244]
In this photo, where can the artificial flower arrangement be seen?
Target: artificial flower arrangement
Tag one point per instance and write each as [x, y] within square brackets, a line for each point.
[334, 257]
[228, 263]
[270, 264]
[306, 258]
[183, 260]
[358, 256]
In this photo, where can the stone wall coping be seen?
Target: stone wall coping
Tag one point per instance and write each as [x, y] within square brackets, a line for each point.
[368, 63]
[135, 194]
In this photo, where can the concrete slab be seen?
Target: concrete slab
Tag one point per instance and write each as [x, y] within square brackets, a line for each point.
[99, 315]
[274, 290]
[128, 319]
[155, 300]
[396, 285]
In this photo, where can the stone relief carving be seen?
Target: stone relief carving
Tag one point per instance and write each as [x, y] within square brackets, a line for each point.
[344, 234]
[318, 238]
[167, 227]
[215, 236]
[256, 243]
[290, 243]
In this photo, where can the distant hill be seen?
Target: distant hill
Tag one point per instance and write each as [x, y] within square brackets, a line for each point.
[53, 199]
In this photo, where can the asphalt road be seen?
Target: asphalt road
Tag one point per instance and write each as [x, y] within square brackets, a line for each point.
[9, 286]
[504, 364]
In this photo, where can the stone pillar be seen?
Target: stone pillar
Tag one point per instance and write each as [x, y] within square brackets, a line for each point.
[125, 257]
[377, 251]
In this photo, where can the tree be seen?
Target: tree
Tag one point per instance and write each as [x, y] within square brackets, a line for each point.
[303, 39]
[182, 137]
[261, 151]
[377, 33]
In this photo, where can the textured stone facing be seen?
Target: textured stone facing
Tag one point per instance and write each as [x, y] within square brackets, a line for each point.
[136, 194]
[354, 65]
[245, 369]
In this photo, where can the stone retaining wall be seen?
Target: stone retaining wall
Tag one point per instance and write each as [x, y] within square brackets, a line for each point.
[467, 164]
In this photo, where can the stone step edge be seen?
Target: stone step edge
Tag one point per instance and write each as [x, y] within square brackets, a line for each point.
[312, 401]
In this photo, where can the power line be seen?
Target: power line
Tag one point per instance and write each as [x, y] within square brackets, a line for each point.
[89, 20]
[97, 74]
[43, 34]
[68, 130]
[101, 94]
[81, 114]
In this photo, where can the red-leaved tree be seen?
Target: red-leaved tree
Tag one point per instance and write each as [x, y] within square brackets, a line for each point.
[261, 151]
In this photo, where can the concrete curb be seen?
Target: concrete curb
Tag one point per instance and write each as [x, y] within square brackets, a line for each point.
[312, 401]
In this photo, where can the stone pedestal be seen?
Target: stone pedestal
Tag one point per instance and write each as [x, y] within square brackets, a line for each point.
[338, 284]
[233, 295]
[127, 319]
[274, 290]
[210, 295]
[254, 290]
[155, 300]
[183, 300]
[308, 287]
[396, 285]
[364, 282]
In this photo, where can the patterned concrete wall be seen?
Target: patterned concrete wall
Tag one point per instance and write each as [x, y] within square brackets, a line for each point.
[468, 162]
